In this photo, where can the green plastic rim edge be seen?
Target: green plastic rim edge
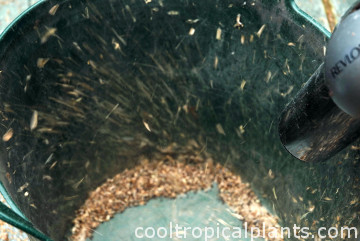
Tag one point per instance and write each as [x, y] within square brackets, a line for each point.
[16, 218]
[302, 17]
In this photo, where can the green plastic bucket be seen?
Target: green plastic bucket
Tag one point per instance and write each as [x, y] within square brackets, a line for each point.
[80, 78]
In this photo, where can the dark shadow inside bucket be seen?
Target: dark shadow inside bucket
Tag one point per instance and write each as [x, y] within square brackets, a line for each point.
[89, 87]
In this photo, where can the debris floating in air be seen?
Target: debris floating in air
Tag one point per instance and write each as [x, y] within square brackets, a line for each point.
[53, 10]
[34, 120]
[220, 129]
[49, 32]
[218, 34]
[41, 62]
[192, 21]
[261, 30]
[173, 13]
[291, 44]
[191, 31]
[238, 24]
[147, 126]
[8, 135]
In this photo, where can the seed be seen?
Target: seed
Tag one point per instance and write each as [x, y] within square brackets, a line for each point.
[8, 135]
[220, 129]
[23, 187]
[218, 34]
[242, 86]
[173, 13]
[242, 40]
[238, 24]
[192, 21]
[41, 62]
[8, 177]
[147, 126]
[34, 120]
[191, 31]
[53, 10]
[216, 62]
[49, 32]
[261, 30]
[251, 38]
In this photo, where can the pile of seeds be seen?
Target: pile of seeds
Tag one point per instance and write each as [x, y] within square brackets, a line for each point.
[169, 178]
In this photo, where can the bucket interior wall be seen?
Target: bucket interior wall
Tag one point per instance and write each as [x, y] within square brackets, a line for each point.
[87, 88]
